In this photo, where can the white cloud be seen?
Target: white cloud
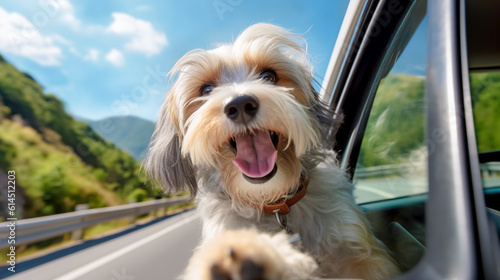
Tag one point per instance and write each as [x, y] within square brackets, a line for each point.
[143, 37]
[93, 55]
[61, 40]
[20, 37]
[115, 57]
[66, 13]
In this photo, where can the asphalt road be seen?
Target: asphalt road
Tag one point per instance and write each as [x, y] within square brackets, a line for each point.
[159, 250]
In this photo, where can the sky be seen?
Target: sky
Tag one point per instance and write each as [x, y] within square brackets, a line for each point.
[413, 58]
[109, 58]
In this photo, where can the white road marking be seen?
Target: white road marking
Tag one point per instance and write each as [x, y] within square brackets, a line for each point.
[375, 191]
[99, 262]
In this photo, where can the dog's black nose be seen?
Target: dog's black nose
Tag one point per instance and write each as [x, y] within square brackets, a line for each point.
[241, 109]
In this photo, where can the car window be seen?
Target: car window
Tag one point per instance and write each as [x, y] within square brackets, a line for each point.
[393, 157]
[485, 91]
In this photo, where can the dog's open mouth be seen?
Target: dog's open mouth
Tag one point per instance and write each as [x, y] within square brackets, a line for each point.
[256, 155]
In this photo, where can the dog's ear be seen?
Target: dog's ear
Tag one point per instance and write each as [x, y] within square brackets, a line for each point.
[328, 121]
[164, 162]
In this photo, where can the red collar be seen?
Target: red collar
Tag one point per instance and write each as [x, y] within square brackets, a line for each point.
[283, 205]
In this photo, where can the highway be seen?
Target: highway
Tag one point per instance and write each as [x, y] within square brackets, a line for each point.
[159, 250]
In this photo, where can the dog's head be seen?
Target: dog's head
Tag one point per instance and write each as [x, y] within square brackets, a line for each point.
[247, 110]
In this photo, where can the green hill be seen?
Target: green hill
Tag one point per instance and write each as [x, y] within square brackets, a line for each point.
[396, 127]
[59, 161]
[129, 133]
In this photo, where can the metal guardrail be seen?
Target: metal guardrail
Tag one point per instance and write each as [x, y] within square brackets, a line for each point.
[381, 170]
[36, 229]
[395, 169]
[490, 167]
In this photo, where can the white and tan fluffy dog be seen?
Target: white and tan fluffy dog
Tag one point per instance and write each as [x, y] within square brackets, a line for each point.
[244, 129]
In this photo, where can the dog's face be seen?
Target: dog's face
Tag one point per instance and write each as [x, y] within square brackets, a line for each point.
[247, 110]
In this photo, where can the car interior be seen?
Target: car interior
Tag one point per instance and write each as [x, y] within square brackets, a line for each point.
[400, 222]
[483, 48]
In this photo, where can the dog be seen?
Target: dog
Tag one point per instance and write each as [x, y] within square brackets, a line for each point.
[244, 131]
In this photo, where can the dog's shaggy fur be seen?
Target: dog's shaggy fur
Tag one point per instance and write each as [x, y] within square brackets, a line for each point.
[241, 126]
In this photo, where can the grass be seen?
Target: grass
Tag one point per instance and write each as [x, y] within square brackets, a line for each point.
[105, 228]
[33, 250]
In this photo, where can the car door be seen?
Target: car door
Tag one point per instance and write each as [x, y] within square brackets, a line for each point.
[400, 77]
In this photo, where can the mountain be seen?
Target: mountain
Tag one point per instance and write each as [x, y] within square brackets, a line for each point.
[129, 133]
[59, 162]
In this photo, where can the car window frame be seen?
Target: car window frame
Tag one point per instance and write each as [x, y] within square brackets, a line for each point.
[458, 230]
[360, 77]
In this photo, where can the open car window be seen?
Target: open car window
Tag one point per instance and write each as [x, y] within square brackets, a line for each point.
[393, 158]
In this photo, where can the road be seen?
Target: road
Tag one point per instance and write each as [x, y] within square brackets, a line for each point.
[160, 250]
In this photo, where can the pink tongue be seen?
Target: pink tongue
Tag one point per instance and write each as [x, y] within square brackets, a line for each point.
[255, 155]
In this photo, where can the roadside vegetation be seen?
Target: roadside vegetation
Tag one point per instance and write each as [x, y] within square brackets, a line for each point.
[60, 162]
[396, 127]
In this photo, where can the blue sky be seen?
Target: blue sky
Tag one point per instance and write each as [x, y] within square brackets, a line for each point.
[413, 58]
[107, 58]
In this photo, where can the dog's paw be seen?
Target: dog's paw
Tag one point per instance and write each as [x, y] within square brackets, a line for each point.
[236, 268]
[249, 255]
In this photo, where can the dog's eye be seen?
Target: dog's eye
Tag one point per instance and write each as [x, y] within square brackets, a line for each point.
[206, 89]
[269, 76]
